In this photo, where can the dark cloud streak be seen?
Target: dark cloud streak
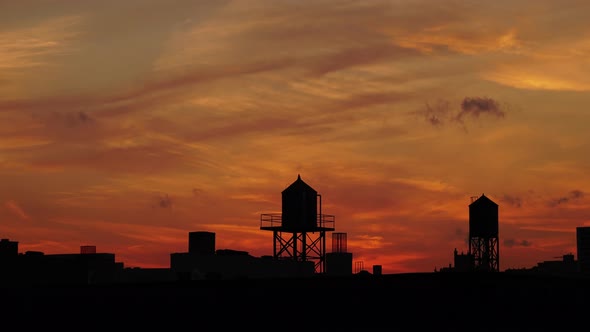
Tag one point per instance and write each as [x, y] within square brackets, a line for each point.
[164, 201]
[441, 112]
[514, 201]
[436, 114]
[476, 106]
[510, 243]
[572, 195]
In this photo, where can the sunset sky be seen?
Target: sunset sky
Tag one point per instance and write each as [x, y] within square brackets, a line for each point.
[128, 124]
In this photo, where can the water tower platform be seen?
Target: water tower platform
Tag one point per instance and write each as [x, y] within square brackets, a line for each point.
[274, 222]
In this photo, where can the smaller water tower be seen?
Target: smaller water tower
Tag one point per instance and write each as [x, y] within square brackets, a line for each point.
[483, 234]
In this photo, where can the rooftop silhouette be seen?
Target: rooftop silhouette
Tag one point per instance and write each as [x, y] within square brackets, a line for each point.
[211, 281]
[298, 250]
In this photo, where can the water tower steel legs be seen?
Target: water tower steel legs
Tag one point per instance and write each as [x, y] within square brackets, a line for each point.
[485, 253]
[274, 244]
[301, 246]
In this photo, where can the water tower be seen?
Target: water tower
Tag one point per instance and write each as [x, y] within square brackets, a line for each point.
[483, 234]
[299, 232]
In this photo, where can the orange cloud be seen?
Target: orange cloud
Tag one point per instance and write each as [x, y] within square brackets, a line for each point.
[31, 46]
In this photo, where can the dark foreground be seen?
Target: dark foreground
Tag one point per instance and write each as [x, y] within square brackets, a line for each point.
[404, 302]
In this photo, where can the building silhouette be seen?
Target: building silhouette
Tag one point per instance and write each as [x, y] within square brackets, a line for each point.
[339, 261]
[8, 260]
[565, 266]
[583, 248]
[464, 262]
[299, 232]
[201, 243]
[484, 244]
[8, 249]
[204, 262]
[36, 267]
[377, 269]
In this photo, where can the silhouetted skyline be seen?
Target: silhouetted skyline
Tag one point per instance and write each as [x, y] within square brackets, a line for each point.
[298, 251]
[126, 125]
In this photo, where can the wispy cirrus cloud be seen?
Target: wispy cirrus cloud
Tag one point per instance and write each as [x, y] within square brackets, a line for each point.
[16, 210]
[29, 47]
